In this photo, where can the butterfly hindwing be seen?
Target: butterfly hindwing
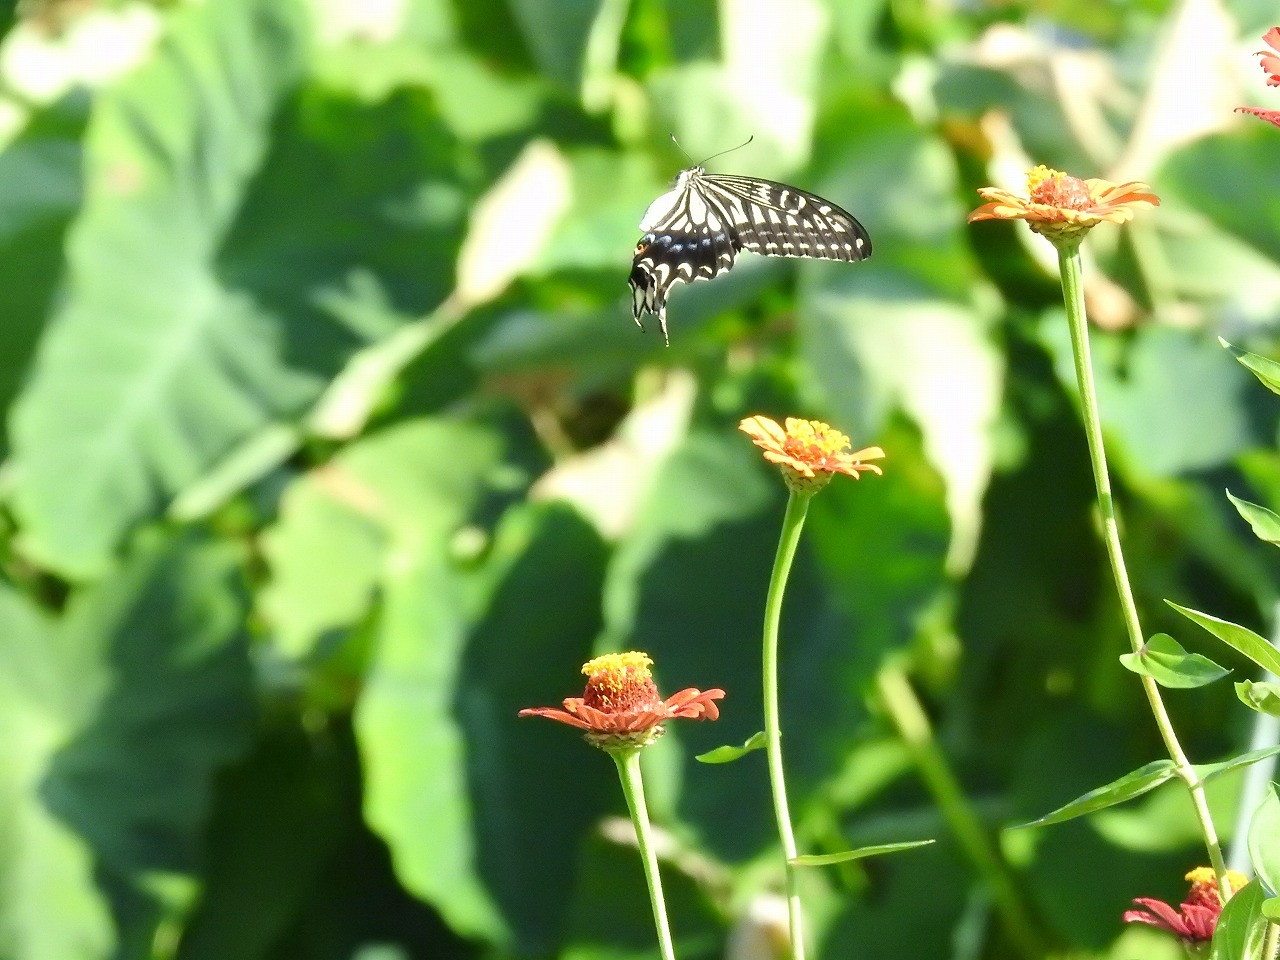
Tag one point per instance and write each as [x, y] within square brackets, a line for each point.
[694, 232]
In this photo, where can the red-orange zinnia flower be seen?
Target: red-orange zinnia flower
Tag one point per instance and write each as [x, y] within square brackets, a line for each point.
[1270, 64]
[809, 452]
[621, 708]
[1062, 207]
[1194, 921]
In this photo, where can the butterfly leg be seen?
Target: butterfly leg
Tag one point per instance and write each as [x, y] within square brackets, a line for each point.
[662, 324]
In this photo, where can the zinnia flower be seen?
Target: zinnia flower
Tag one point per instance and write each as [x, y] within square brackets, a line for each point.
[1062, 207]
[809, 452]
[621, 708]
[1270, 64]
[1195, 920]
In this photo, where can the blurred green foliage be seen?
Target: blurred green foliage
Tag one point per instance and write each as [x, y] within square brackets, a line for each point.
[330, 445]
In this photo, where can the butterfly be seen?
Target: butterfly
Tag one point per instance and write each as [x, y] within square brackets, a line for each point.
[695, 230]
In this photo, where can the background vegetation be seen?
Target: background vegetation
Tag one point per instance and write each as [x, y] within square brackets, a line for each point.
[330, 444]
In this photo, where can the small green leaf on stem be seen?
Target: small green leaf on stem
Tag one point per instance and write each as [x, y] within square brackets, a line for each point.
[1265, 523]
[1164, 660]
[1268, 371]
[1253, 646]
[1262, 696]
[1132, 784]
[1207, 771]
[823, 859]
[727, 753]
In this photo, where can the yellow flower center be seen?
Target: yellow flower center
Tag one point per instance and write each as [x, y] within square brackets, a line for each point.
[617, 682]
[1205, 875]
[813, 441]
[1057, 189]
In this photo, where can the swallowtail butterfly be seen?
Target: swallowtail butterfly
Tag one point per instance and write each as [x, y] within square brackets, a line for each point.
[694, 232]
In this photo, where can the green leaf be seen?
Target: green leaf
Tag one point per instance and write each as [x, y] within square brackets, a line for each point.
[1265, 523]
[1159, 429]
[48, 868]
[1164, 660]
[727, 753]
[1267, 371]
[152, 367]
[1271, 909]
[822, 859]
[1263, 696]
[1133, 784]
[1240, 638]
[337, 525]
[1207, 771]
[439, 739]
[1241, 927]
[1264, 830]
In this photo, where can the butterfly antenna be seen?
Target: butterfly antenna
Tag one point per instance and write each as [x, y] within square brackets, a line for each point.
[680, 148]
[723, 152]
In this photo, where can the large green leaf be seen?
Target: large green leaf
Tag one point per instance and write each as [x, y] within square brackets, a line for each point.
[154, 366]
[1157, 427]
[902, 332]
[40, 190]
[126, 710]
[436, 722]
[47, 868]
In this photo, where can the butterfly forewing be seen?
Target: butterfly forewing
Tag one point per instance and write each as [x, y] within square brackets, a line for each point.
[778, 220]
[694, 232]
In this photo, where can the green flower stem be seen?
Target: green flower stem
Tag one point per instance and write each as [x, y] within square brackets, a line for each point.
[792, 524]
[628, 762]
[1073, 296]
[909, 718]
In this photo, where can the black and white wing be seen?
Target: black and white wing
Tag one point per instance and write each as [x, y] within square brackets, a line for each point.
[687, 237]
[778, 220]
[694, 232]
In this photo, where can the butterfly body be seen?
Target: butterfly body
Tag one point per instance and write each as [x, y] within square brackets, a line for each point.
[695, 230]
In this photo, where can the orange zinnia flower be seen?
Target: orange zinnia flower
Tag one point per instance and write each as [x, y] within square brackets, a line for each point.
[1063, 208]
[621, 708]
[1270, 64]
[809, 452]
[1195, 920]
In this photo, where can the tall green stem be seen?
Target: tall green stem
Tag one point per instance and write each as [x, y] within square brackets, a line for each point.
[628, 762]
[792, 524]
[1073, 295]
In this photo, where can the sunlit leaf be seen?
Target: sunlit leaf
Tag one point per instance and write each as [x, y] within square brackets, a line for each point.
[1267, 371]
[1207, 771]
[823, 859]
[1131, 785]
[1263, 696]
[727, 754]
[177, 359]
[1265, 523]
[1164, 660]
[1240, 638]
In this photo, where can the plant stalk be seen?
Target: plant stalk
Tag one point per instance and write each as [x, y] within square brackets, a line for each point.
[628, 762]
[792, 524]
[1073, 296]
